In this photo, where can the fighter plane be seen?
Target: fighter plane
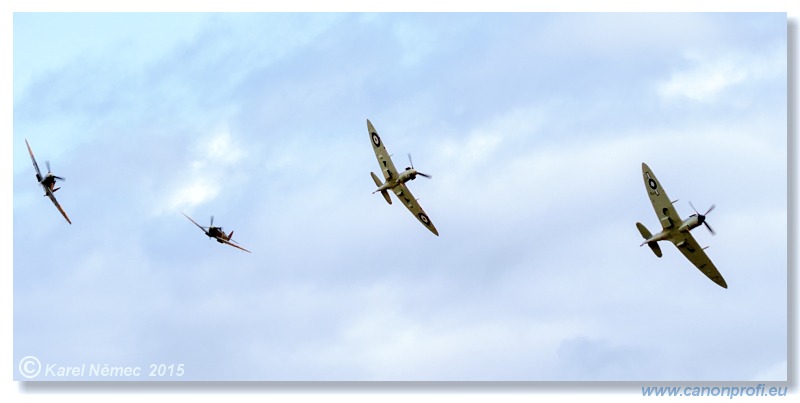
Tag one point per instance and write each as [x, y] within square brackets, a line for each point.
[48, 182]
[217, 233]
[396, 182]
[676, 230]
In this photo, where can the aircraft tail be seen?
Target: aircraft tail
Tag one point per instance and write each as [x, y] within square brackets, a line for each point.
[230, 236]
[379, 183]
[647, 235]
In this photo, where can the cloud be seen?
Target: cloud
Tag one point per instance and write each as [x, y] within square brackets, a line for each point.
[707, 76]
[211, 172]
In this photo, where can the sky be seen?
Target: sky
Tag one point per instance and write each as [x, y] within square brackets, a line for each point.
[534, 128]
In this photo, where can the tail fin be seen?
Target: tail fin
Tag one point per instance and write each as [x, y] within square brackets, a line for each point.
[230, 236]
[646, 235]
[379, 183]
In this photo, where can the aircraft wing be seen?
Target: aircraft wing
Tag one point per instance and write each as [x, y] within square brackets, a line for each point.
[384, 160]
[411, 204]
[58, 206]
[223, 240]
[666, 213]
[692, 250]
[193, 222]
[35, 165]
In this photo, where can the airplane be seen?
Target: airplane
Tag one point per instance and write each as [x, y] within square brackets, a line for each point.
[397, 182]
[676, 230]
[48, 182]
[217, 233]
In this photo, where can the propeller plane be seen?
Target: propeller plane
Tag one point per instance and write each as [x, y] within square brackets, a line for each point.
[48, 182]
[676, 230]
[217, 233]
[396, 181]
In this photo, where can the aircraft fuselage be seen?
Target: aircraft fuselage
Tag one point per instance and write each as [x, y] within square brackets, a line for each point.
[215, 232]
[408, 175]
[669, 233]
[49, 181]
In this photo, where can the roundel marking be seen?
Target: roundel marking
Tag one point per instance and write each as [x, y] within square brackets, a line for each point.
[376, 139]
[424, 218]
[652, 184]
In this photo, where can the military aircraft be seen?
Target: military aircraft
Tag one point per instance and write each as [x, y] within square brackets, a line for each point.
[217, 233]
[677, 230]
[48, 182]
[396, 182]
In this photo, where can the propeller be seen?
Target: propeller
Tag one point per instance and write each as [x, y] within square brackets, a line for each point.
[701, 218]
[50, 172]
[206, 228]
[412, 167]
[212, 225]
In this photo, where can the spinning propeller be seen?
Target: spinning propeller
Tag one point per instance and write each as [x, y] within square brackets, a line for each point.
[412, 167]
[701, 218]
[212, 224]
[50, 173]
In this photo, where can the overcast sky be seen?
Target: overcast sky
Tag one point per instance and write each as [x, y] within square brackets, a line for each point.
[534, 128]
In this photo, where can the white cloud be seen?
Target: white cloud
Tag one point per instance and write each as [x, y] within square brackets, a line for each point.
[496, 134]
[215, 158]
[221, 150]
[708, 76]
[193, 193]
